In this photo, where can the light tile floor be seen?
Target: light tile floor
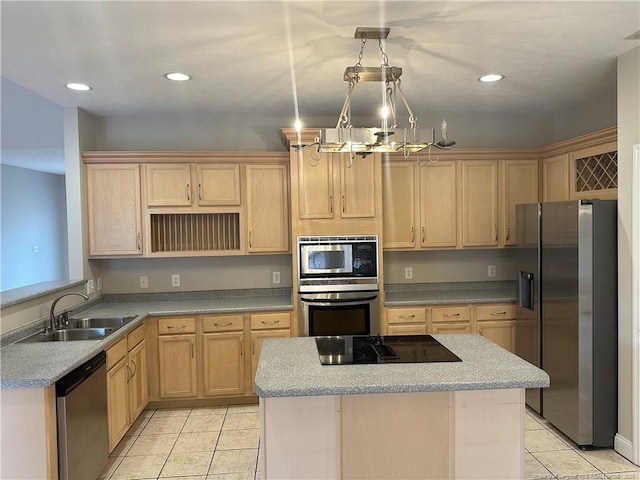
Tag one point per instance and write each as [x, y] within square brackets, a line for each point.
[221, 443]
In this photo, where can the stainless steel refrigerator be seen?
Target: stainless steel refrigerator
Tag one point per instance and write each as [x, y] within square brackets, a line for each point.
[566, 260]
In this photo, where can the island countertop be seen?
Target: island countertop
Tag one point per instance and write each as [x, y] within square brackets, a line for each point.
[290, 367]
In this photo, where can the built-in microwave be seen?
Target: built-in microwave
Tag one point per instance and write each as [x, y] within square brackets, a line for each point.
[337, 263]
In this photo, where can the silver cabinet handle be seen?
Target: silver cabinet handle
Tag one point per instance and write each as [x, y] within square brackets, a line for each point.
[228, 324]
[199, 192]
[448, 315]
[130, 375]
[408, 316]
[413, 234]
[170, 327]
[496, 235]
[135, 368]
[269, 322]
[253, 346]
[188, 192]
[342, 203]
[506, 228]
[241, 348]
[193, 352]
[497, 313]
[138, 241]
[249, 238]
[331, 204]
[422, 234]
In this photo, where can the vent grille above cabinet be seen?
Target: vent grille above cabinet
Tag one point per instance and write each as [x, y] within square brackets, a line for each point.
[195, 232]
[597, 172]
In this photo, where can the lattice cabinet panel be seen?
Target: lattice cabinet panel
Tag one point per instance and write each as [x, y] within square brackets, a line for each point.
[195, 232]
[597, 172]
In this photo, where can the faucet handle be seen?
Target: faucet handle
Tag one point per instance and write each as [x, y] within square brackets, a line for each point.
[63, 319]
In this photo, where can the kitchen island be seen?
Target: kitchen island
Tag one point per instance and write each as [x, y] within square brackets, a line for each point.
[425, 420]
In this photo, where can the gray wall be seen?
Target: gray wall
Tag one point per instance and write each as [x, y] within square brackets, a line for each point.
[199, 273]
[33, 214]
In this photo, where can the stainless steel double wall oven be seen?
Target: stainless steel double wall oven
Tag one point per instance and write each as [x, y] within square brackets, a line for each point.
[338, 286]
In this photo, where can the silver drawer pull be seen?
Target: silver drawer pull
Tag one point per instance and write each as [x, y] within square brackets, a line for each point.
[228, 324]
[176, 326]
[497, 313]
[408, 316]
[272, 322]
[451, 315]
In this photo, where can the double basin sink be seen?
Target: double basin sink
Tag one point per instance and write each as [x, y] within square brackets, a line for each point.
[87, 328]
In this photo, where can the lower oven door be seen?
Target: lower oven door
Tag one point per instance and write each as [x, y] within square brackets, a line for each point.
[339, 313]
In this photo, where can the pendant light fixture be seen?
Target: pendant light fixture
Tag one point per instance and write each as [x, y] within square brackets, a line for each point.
[389, 137]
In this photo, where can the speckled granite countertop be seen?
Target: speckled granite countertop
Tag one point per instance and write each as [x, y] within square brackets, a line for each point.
[449, 293]
[290, 367]
[41, 364]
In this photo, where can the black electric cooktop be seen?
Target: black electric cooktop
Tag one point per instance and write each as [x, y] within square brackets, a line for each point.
[358, 350]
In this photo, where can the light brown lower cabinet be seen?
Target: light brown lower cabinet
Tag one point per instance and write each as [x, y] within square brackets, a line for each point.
[177, 357]
[263, 326]
[498, 324]
[127, 387]
[495, 322]
[211, 356]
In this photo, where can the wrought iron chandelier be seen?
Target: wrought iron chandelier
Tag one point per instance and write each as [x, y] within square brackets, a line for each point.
[388, 138]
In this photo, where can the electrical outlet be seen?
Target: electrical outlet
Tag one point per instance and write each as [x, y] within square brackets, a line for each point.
[144, 281]
[90, 287]
[491, 271]
[408, 273]
[175, 280]
[36, 249]
[275, 277]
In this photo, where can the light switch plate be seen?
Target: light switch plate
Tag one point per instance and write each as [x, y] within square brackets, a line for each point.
[175, 280]
[491, 271]
[408, 273]
[144, 281]
[275, 277]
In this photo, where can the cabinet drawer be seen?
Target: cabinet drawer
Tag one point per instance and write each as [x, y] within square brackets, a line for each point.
[495, 312]
[451, 327]
[135, 337]
[116, 352]
[450, 314]
[176, 326]
[406, 315]
[270, 320]
[224, 323]
[407, 329]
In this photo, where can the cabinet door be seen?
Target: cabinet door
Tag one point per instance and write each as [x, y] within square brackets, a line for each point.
[315, 184]
[114, 213]
[520, 185]
[177, 366]
[118, 402]
[168, 185]
[479, 203]
[555, 178]
[257, 338]
[223, 363]
[357, 186]
[438, 205]
[500, 332]
[398, 204]
[267, 208]
[138, 386]
[218, 184]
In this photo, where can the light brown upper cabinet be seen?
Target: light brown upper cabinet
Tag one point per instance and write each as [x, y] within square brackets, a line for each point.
[419, 204]
[267, 208]
[113, 209]
[519, 181]
[479, 184]
[555, 178]
[185, 185]
[332, 186]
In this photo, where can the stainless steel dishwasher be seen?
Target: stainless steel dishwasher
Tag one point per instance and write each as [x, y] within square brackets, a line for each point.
[81, 405]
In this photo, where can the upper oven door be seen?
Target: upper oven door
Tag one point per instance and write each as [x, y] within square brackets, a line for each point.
[325, 260]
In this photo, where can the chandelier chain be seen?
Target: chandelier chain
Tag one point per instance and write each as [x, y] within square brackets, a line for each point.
[383, 55]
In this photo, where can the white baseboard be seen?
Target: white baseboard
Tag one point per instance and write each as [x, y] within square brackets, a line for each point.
[623, 446]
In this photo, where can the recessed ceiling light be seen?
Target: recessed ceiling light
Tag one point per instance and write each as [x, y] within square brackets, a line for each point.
[177, 76]
[78, 86]
[491, 77]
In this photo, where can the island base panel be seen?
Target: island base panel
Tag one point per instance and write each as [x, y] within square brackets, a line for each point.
[459, 434]
[300, 437]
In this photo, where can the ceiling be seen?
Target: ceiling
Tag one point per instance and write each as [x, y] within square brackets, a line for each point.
[256, 58]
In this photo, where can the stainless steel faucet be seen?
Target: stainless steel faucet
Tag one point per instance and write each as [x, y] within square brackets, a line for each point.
[53, 322]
